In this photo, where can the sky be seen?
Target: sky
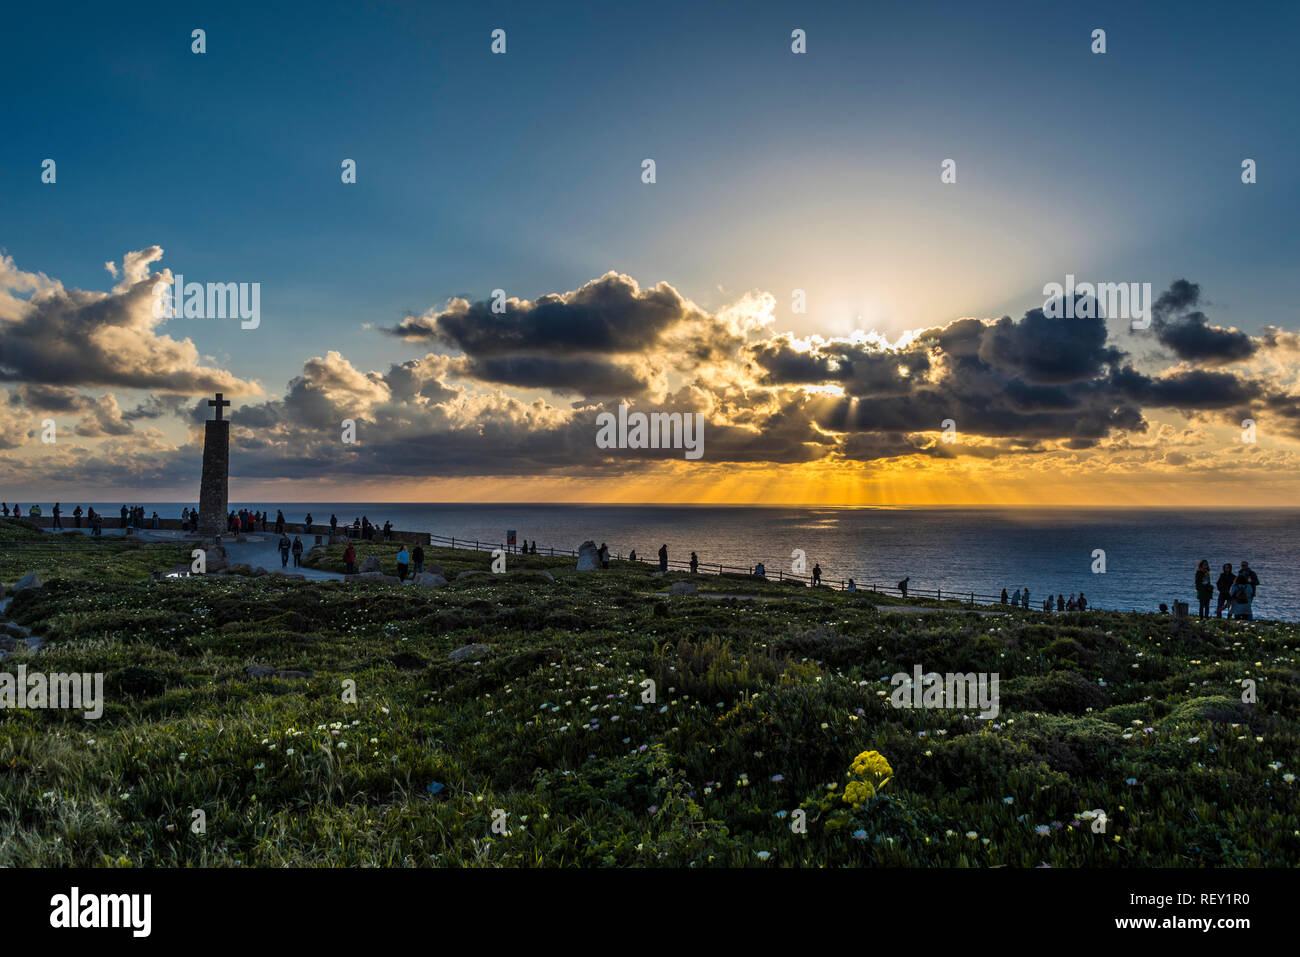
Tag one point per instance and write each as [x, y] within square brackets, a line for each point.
[799, 272]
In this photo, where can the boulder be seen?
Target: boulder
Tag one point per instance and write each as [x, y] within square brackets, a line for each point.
[468, 574]
[434, 568]
[216, 564]
[371, 564]
[27, 581]
[683, 588]
[429, 580]
[588, 557]
[469, 651]
[379, 577]
[240, 568]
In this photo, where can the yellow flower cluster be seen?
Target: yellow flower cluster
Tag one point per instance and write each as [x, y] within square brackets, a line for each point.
[858, 792]
[873, 772]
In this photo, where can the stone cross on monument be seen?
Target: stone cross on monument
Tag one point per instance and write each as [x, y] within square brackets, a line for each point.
[214, 488]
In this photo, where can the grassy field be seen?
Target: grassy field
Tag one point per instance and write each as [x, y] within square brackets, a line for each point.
[762, 710]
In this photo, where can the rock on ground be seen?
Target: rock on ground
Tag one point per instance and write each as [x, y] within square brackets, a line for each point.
[27, 581]
[379, 577]
[469, 651]
[429, 580]
[371, 564]
[588, 557]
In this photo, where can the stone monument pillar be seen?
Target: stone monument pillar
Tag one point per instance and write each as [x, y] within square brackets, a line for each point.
[214, 489]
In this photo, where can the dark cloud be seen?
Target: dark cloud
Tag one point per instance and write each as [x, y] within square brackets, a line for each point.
[606, 316]
[1187, 331]
[75, 338]
[48, 398]
[159, 406]
[588, 377]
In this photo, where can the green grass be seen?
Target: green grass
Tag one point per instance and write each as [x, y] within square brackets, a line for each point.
[287, 773]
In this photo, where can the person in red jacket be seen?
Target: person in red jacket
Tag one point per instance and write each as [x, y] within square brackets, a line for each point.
[350, 560]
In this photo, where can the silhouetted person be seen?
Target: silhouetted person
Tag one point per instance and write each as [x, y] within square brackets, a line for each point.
[297, 552]
[1060, 603]
[817, 575]
[695, 563]
[76, 514]
[902, 586]
[418, 557]
[1224, 584]
[1004, 596]
[284, 546]
[663, 558]
[334, 525]
[1083, 602]
[1251, 579]
[349, 560]
[1242, 593]
[1204, 589]
[602, 554]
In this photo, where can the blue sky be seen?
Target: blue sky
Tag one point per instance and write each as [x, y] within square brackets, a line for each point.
[775, 171]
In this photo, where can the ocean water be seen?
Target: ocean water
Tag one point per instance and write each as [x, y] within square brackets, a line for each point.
[1150, 555]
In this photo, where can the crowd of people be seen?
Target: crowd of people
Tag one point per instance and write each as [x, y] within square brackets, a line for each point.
[1236, 590]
